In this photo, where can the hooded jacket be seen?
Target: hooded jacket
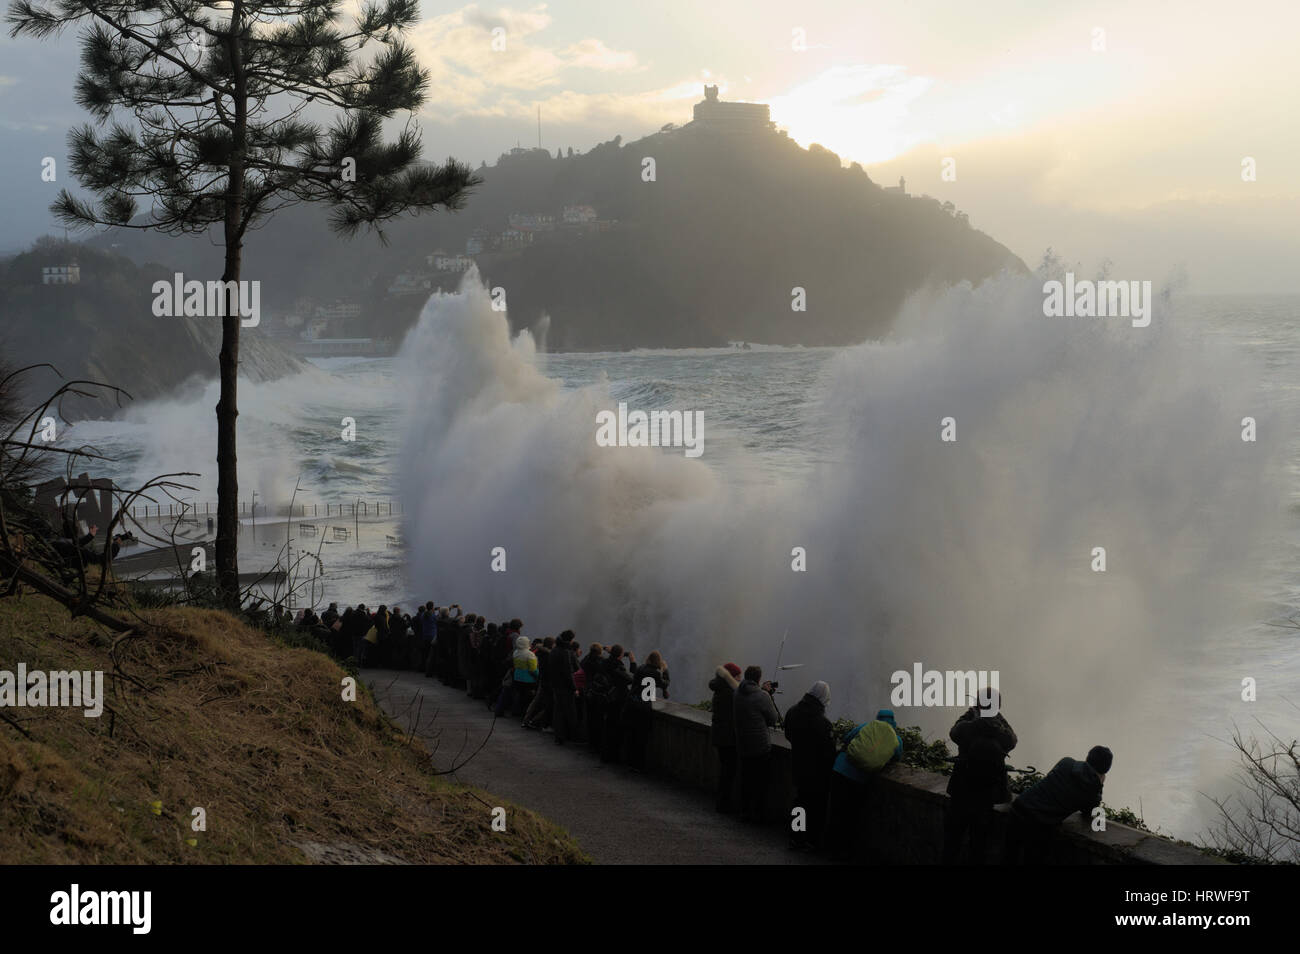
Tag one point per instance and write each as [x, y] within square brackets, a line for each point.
[1071, 786]
[724, 685]
[525, 663]
[754, 711]
[620, 681]
[591, 664]
[812, 746]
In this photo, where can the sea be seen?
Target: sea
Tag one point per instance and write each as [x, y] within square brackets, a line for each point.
[1107, 517]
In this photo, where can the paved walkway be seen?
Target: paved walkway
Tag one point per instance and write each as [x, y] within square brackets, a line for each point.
[617, 816]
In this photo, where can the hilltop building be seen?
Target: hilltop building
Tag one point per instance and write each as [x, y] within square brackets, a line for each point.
[714, 114]
[901, 188]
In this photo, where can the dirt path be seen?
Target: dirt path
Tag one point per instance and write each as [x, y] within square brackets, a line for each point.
[618, 817]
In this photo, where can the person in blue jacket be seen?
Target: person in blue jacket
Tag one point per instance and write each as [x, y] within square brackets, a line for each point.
[849, 792]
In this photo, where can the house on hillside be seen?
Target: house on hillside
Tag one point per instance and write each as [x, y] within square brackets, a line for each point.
[579, 214]
[532, 222]
[440, 261]
[410, 283]
[340, 309]
[516, 238]
[61, 275]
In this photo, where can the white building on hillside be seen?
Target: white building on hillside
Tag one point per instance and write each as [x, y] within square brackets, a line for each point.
[340, 309]
[579, 214]
[61, 275]
[442, 262]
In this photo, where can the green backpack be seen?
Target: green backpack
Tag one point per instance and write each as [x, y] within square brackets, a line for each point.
[873, 746]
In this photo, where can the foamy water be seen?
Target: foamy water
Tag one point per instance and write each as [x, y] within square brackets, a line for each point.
[966, 555]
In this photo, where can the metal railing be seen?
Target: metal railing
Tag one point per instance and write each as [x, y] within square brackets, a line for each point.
[360, 508]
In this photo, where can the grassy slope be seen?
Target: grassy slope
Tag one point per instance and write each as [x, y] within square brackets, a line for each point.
[208, 712]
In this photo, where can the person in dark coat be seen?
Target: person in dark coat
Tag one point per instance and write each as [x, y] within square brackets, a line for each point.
[1071, 786]
[78, 551]
[504, 661]
[465, 654]
[428, 633]
[979, 778]
[649, 684]
[754, 712]
[561, 664]
[360, 626]
[398, 626]
[434, 665]
[489, 655]
[341, 637]
[725, 681]
[812, 753]
[591, 702]
[448, 645]
[539, 711]
[379, 648]
[414, 649]
[620, 681]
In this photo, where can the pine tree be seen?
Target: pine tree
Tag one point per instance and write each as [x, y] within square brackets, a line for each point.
[239, 111]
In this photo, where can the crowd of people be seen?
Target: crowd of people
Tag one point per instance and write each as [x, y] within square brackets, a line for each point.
[831, 779]
[605, 700]
[602, 697]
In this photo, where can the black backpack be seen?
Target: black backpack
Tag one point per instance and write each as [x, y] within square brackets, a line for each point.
[601, 688]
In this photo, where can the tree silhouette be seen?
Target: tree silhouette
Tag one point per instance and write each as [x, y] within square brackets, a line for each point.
[230, 105]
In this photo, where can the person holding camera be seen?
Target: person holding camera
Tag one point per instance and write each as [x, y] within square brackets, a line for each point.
[979, 777]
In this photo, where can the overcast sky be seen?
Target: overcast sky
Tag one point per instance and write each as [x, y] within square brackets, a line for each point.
[1132, 152]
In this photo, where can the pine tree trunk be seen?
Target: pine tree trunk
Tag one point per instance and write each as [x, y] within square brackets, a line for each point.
[227, 403]
[227, 463]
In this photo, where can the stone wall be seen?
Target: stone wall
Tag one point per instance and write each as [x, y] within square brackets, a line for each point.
[904, 821]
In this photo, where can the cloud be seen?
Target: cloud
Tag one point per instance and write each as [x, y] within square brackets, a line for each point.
[593, 54]
[486, 63]
[521, 22]
[593, 115]
[864, 111]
